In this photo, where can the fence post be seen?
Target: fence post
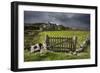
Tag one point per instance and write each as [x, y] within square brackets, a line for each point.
[74, 43]
[47, 41]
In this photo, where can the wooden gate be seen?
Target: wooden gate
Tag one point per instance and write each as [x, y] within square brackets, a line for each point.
[61, 44]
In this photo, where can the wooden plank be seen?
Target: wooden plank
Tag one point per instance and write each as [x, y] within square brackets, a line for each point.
[62, 43]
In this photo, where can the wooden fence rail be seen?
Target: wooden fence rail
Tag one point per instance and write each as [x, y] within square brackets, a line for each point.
[61, 43]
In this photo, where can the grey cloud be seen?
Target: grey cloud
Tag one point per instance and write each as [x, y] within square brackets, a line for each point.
[66, 19]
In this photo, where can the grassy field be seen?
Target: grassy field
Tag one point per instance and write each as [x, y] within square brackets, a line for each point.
[40, 37]
[82, 35]
[48, 56]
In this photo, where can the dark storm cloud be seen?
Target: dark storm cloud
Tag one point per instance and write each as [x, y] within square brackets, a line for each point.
[67, 19]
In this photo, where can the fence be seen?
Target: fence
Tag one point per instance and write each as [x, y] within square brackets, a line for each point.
[61, 44]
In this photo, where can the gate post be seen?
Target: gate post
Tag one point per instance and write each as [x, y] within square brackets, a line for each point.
[46, 41]
[74, 43]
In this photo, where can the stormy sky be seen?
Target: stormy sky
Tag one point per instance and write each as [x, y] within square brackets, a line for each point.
[74, 20]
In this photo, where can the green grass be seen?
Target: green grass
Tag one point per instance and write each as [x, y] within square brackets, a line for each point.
[82, 35]
[40, 38]
[50, 56]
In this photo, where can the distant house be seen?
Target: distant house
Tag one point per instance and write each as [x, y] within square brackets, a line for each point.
[48, 26]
